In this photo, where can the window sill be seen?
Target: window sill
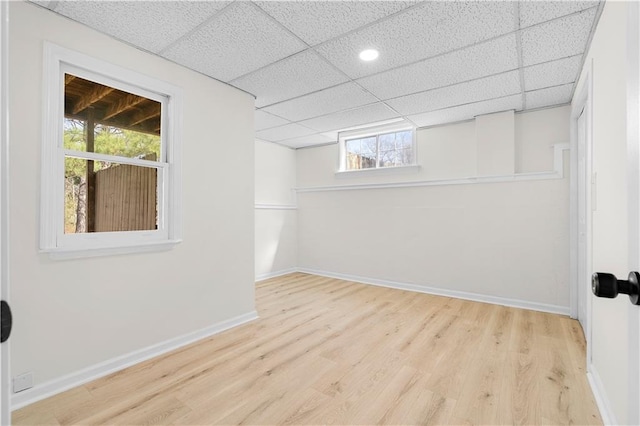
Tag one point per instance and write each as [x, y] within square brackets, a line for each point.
[414, 168]
[80, 253]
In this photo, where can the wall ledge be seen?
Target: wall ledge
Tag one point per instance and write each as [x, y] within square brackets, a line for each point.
[411, 168]
[61, 384]
[475, 297]
[556, 173]
[275, 207]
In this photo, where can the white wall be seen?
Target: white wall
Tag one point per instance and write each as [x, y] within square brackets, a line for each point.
[276, 219]
[495, 142]
[609, 317]
[72, 314]
[501, 240]
[536, 133]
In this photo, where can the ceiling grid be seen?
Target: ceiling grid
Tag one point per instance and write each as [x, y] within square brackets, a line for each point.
[439, 62]
[516, 6]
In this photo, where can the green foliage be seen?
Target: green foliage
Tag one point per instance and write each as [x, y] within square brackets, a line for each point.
[107, 140]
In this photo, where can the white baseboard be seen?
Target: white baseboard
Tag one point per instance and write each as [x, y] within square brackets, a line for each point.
[102, 369]
[274, 274]
[534, 306]
[604, 405]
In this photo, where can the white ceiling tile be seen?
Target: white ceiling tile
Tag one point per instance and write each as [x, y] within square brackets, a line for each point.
[237, 41]
[151, 25]
[467, 112]
[288, 131]
[43, 3]
[552, 73]
[305, 141]
[472, 91]
[295, 76]
[337, 98]
[317, 21]
[420, 33]
[264, 120]
[488, 58]
[535, 12]
[354, 117]
[439, 61]
[548, 97]
[557, 39]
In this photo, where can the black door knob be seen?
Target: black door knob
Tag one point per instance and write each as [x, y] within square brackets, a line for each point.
[607, 285]
[7, 321]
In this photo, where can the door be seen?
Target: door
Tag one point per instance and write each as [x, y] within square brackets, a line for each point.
[581, 118]
[613, 327]
[5, 411]
[633, 153]
[583, 212]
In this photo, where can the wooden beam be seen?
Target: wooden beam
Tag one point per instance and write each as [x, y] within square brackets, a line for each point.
[122, 105]
[115, 122]
[68, 78]
[91, 97]
[145, 114]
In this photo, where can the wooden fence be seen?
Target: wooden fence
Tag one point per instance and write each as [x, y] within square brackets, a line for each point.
[126, 198]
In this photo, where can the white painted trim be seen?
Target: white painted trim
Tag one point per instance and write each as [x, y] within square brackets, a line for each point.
[57, 60]
[573, 216]
[557, 173]
[275, 274]
[558, 158]
[411, 168]
[462, 181]
[80, 253]
[113, 365]
[275, 207]
[475, 297]
[5, 353]
[599, 394]
[633, 205]
[114, 159]
[583, 100]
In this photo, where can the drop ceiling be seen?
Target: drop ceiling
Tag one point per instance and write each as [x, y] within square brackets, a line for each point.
[439, 62]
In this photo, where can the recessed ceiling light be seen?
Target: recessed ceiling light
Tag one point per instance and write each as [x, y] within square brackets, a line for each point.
[369, 54]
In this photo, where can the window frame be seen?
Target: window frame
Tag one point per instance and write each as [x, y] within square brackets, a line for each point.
[376, 131]
[53, 240]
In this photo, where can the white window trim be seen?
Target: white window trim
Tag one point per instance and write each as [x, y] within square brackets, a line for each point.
[375, 131]
[52, 237]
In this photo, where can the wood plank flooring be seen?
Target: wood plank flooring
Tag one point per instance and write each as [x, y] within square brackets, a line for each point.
[326, 351]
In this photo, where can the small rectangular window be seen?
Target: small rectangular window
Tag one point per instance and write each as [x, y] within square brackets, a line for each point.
[374, 150]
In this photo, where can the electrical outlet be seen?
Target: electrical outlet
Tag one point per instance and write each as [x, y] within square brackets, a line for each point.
[22, 382]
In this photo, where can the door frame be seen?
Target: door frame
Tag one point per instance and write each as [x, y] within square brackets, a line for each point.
[582, 101]
[5, 374]
[633, 170]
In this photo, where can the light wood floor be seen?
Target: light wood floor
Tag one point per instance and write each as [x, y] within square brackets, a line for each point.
[326, 351]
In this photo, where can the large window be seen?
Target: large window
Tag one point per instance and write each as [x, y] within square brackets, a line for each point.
[110, 181]
[377, 148]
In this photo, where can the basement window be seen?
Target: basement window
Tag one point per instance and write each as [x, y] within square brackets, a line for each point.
[110, 181]
[377, 148]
